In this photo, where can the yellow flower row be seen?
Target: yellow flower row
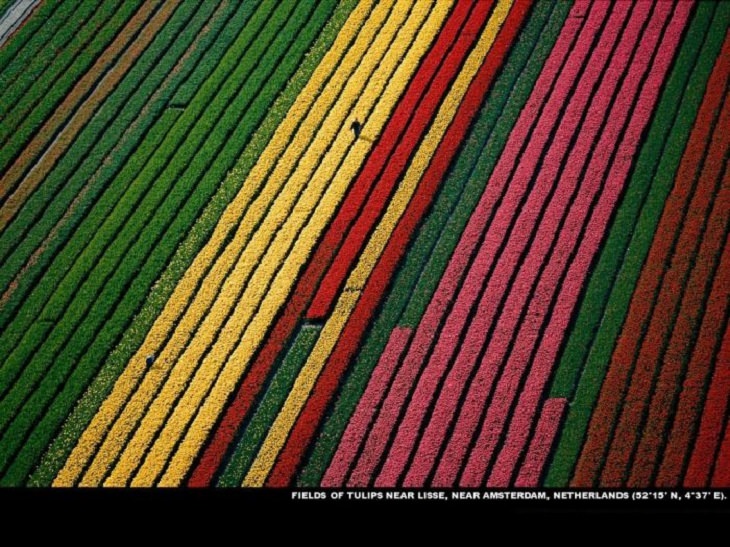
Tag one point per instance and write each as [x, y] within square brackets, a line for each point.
[262, 257]
[282, 262]
[362, 24]
[156, 416]
[290, 175]
[304, 383]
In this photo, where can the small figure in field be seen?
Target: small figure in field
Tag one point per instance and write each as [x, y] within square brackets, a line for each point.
[150, 359]
[356, 127]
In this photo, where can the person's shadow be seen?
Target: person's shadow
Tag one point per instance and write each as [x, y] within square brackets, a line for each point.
[356, 128]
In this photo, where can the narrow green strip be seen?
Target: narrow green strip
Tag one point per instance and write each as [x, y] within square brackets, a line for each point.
[37, 40]
[428, 256]
[123, 292]
[606, 301]
[269, 407]
[131, 197]
[74, 34]
[39, 101]
[119, 125]
[26, 41]
[195, 238]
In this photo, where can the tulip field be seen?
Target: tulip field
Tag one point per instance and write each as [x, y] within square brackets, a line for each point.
[365, 243]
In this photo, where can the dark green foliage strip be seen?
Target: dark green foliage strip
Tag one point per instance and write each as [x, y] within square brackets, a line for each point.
[106, 146]
[195, 236]
[427, 259]
[269, 407]
[604, 306]
[151, 234]
[31, 108]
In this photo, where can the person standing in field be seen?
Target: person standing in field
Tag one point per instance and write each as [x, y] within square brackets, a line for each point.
[356, 127]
